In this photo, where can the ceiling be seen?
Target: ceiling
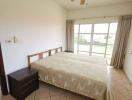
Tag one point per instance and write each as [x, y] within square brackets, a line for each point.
[67, 4]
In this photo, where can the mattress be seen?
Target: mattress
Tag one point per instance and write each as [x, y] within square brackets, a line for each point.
[85, 75]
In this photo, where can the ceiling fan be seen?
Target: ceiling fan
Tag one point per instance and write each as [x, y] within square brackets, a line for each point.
[82, 2]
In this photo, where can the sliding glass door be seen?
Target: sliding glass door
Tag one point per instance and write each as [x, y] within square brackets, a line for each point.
[95, 39]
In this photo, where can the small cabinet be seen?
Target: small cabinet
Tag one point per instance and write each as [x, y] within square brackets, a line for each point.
[23, 82]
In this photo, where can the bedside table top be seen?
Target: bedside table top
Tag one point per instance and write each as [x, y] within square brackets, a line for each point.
[22, 73]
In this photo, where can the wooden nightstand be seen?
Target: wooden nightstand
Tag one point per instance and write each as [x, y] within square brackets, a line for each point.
[23, 82]
[69, 51]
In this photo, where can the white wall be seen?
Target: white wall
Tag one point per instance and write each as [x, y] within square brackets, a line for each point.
[38, 25]
[128, 58]
[112, 10]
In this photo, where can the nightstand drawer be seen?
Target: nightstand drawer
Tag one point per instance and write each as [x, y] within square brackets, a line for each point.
[28, 84]
[28, 79]
[28, 89]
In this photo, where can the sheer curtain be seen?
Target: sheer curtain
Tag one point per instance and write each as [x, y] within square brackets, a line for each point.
[70, 35]
[124, 25]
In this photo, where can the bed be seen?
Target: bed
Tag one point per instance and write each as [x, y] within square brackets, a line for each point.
[85, 75]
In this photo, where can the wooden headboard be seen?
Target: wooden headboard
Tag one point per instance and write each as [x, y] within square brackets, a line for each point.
[40, 55]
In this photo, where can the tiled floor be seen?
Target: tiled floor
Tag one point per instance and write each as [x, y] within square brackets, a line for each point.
[121, 90]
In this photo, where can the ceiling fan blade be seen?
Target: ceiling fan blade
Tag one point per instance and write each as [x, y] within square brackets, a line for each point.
[82, 2]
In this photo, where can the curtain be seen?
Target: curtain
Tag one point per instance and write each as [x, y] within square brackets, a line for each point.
[70, 35]
[123, 30]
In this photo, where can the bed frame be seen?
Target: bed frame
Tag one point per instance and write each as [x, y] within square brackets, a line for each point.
[49, 52]
[41, 54]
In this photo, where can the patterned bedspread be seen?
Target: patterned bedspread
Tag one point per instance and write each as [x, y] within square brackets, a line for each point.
[85, 75]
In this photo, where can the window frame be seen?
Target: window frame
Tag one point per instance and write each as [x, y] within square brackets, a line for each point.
[90, 52]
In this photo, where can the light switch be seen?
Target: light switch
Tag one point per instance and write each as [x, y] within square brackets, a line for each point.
[8, 41]
[12, 40]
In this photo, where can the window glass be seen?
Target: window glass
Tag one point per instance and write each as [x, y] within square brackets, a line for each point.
[101, 28]
[76, 28]
[75, 42]
[113, 28]
[95, 54]
[111, 39]
[84, 38]
[85, 28]
[112, 33]
[109, 49]
[85, 53]
[99, 38]
[98, 48]
[83, 47]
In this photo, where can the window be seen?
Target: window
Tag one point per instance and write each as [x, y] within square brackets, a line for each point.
[85, 28]
[101, 28]
[95, 39]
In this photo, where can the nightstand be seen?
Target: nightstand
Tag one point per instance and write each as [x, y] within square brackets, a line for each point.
[69, 51]
[23, 82]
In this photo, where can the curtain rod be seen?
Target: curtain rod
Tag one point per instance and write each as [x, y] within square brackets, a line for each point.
[85, 18]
